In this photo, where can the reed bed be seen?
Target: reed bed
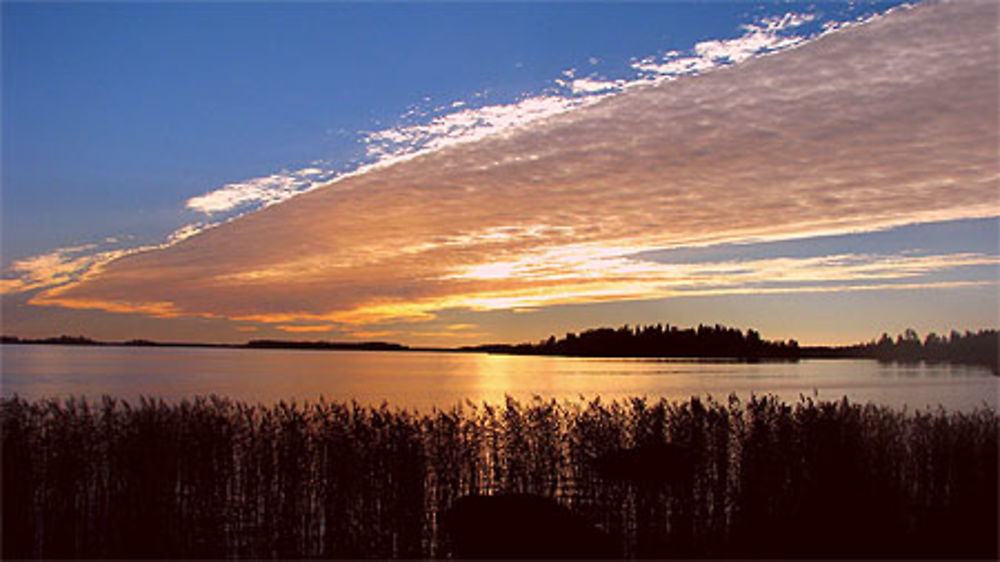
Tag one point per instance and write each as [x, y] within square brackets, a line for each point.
[214, 478]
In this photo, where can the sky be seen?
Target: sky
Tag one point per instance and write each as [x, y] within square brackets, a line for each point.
[461, 173]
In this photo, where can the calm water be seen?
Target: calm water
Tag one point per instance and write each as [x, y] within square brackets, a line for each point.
[425, 380]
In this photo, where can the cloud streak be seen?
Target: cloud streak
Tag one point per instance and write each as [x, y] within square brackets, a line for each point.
[57, 267]
[259, 192]
[304, 329]
[889, 123]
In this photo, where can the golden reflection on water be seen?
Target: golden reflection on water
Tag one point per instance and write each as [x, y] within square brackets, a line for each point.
[493, 376]
[426, 380]
[498, 376]
[525, 377]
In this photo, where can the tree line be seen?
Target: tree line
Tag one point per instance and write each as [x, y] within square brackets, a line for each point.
[663, 340]
[973, 348]
[659, 340]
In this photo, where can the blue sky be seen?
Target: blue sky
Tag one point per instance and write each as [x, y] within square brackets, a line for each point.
[118, 117]
[115, 114]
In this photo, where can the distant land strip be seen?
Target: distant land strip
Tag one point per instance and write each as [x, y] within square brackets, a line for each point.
[253, 344]
[980, 348]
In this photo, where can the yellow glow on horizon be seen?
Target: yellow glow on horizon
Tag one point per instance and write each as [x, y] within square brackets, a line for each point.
[304, 329]
[374, 334]
[625, 280]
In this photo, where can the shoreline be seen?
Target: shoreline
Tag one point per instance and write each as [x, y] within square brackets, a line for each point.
[803, 353]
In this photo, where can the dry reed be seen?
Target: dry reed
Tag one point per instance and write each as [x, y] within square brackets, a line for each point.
[213, 478]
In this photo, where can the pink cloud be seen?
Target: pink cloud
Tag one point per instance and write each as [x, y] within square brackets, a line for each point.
[873, 126]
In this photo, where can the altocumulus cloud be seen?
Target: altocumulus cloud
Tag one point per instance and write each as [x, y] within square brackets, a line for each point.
[438, 127]
[872, 126]
[455, 124]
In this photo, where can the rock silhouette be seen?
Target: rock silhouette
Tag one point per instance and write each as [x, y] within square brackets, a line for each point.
[522, 526]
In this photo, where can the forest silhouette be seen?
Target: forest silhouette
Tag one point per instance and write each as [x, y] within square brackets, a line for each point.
[656, 341]
[973, 348]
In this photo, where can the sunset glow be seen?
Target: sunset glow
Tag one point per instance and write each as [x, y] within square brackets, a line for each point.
[558, 201]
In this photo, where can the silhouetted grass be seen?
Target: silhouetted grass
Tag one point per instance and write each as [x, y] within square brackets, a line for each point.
[216, 478]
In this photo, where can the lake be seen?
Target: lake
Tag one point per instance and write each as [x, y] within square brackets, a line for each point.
[424, 380]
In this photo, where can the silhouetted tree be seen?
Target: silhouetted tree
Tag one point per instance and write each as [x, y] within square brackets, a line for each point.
[657, 341]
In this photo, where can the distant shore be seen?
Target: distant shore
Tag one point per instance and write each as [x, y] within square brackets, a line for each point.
[706, 342]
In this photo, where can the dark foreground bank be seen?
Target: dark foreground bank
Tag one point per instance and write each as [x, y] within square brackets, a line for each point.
[218, 479]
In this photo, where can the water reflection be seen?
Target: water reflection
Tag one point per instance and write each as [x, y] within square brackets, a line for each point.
[425, 380]
[498, 376]
[493, 377]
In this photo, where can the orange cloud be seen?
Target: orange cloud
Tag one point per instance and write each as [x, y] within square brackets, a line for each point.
[867, 128]
[447, 334]
[303, 329]
[153, 309]
[365, 335]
